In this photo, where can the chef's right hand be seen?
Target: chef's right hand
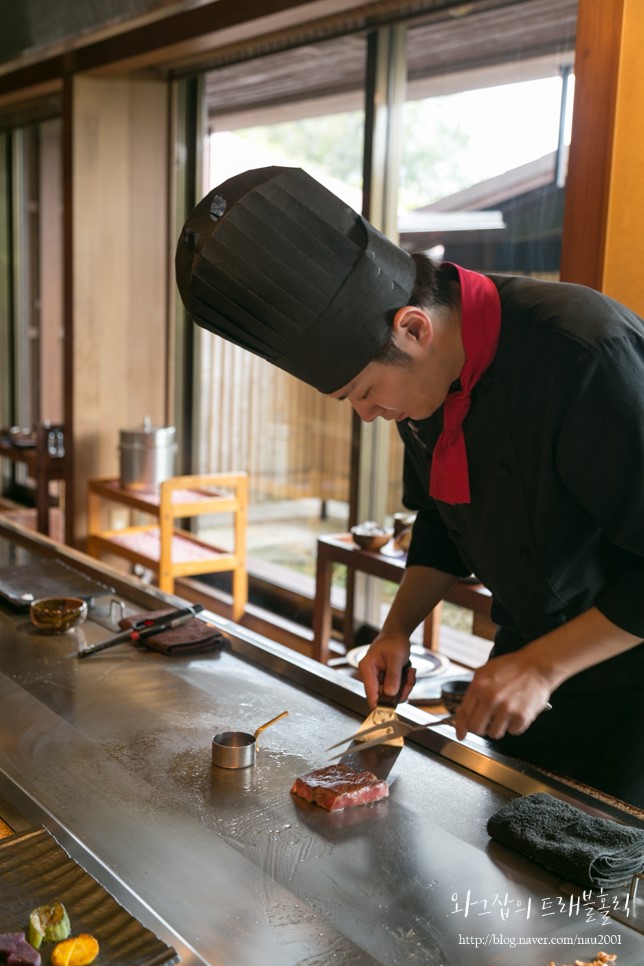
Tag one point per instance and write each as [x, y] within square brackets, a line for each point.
[381, 668]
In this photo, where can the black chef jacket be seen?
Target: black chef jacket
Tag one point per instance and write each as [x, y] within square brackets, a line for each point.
[555, 447]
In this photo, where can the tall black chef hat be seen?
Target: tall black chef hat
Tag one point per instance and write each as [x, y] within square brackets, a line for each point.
[274, 262]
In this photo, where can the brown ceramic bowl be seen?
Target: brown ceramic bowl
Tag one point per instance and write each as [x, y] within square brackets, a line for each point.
[57, 614]
[369, 536]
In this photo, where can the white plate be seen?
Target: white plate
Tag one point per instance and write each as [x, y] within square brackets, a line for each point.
[426, 664]
[391, 549]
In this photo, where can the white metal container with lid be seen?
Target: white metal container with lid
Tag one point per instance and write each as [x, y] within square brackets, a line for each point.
[147, 455]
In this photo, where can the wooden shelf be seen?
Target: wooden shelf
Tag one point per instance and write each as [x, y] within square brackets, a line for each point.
[43, 468]
[162, 546]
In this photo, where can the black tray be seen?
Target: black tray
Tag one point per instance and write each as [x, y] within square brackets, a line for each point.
[47, 577]
[35, 870]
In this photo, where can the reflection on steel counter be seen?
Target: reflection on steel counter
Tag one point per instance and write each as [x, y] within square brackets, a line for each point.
[113, 755]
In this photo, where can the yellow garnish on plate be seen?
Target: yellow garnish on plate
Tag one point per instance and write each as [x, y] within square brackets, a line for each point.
[77, 951]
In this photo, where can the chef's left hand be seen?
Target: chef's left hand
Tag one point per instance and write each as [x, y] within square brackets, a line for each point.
[505, 696]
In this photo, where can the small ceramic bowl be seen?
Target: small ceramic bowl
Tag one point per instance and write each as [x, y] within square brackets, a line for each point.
[453, 692]
[402, 539]
[57, 614]
[403, 521]
[369, 536]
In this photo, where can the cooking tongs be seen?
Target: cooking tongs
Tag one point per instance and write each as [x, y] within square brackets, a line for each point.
[385, 732]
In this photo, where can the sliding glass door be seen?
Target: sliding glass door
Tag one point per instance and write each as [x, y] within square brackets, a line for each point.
[31, 286]
[449, 131]
[293, 442]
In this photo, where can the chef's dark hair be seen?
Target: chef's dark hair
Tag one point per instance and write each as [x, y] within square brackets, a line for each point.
[434, 286]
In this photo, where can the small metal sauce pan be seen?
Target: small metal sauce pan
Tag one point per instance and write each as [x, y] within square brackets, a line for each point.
[237, 749]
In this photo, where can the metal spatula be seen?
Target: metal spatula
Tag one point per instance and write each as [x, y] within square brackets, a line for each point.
[385, 713]
[386, 733]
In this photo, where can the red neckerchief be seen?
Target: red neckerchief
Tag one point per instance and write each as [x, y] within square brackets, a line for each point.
[480, 326]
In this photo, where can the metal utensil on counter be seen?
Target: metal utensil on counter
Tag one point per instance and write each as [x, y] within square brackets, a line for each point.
[145, 628]
[385, 712]
[237, 749]
[385, 732]
[392, 731]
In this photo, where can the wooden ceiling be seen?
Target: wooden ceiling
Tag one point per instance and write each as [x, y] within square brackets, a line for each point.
[473, 44]
[32, 25]
[284, 57]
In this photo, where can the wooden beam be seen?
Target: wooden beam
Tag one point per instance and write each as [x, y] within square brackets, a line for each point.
[624, 251]
[588, 187]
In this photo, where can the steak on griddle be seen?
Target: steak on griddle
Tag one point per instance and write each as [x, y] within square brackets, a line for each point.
[337, 786]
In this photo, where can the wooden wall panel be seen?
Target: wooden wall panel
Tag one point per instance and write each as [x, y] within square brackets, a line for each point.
[624, 257]
[603, 239]
[588, 185]
[120, 219]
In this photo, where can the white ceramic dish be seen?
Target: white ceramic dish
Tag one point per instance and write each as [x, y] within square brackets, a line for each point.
[426, 664]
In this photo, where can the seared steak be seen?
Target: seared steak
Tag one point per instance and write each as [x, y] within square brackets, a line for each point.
[338, 786]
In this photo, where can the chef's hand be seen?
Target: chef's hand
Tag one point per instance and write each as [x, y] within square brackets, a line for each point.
[508, 692]
[505, 696]
[382, 666]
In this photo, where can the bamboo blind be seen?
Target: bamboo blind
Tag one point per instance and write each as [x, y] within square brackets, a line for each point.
[293, 441]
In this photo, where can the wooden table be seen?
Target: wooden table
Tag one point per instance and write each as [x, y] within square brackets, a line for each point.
[340, 549]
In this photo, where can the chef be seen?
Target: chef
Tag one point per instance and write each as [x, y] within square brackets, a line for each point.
[520, 404]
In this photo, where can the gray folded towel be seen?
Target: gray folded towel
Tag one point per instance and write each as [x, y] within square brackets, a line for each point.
[583, 849]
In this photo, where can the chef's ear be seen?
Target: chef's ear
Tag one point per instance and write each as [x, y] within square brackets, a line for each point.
[413, 323]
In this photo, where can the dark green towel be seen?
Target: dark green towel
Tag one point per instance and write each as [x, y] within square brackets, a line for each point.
[583, 849]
